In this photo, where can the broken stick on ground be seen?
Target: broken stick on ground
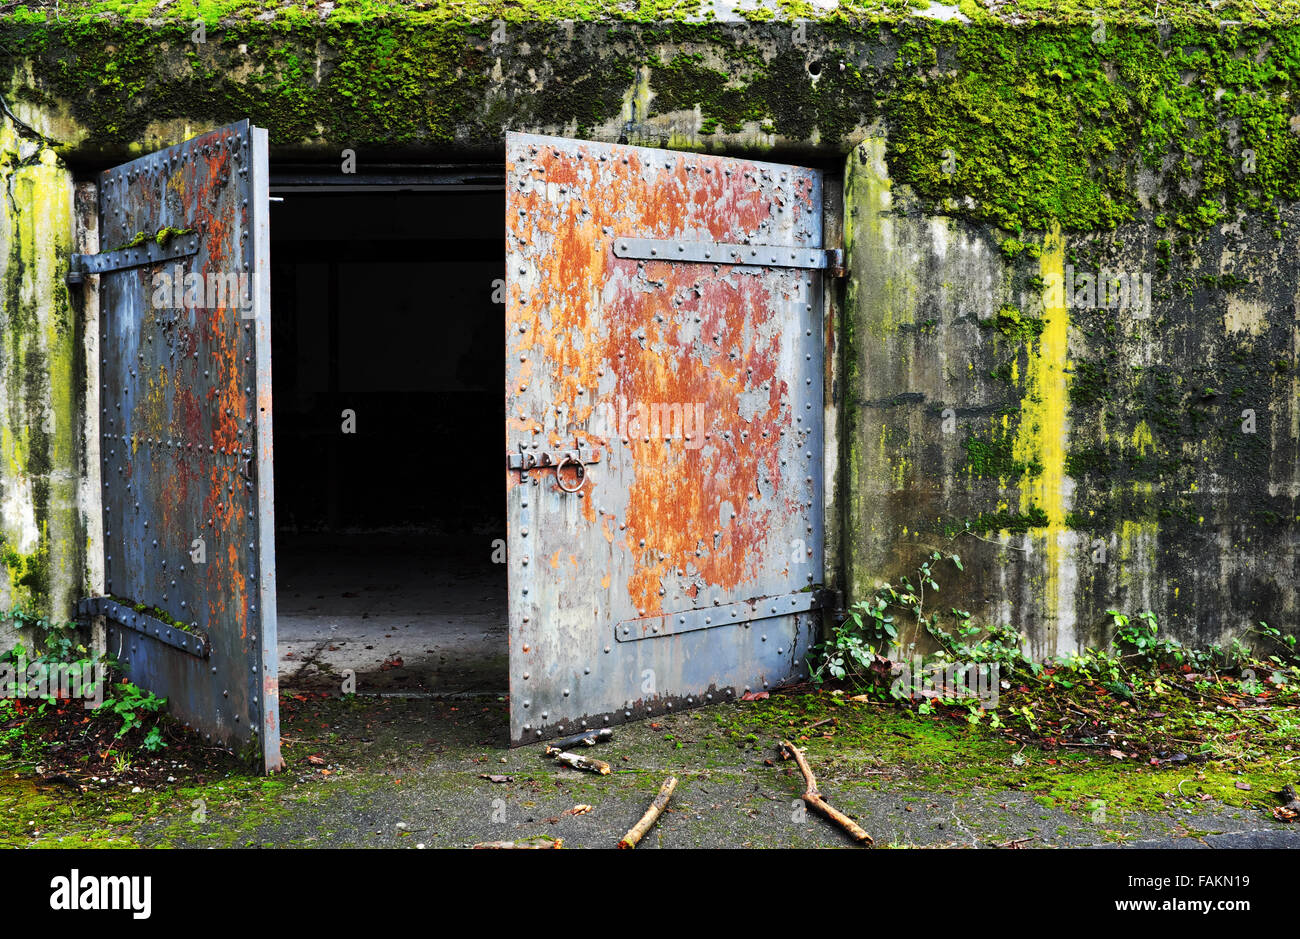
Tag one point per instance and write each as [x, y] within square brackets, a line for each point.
[577, 761]
[651, 815]
[588, 738]
[813, 798]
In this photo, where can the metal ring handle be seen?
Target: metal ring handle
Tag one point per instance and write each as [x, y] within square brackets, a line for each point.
[559, 480]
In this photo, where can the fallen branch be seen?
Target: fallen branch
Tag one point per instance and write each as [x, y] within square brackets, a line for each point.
[577, 761]
[588, 738]
[502, 845]
[1017, 842]
[813, 798]
[637, 832]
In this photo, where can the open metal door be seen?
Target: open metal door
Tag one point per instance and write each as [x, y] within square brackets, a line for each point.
[185, 433]
[664, 355]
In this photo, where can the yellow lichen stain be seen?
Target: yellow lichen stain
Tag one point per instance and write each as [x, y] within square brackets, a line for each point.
[869, 196]
[1136, 537]
[1141, 440]
[152, 416]
[35, 241]
[1041, 435]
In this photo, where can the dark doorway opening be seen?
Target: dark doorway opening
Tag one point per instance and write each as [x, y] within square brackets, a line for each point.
[387, 378]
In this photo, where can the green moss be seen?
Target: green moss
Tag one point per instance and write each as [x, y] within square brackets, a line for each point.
[29, 576]
[162, 236]
[994, 458]
[1043, 125]
[986, 522]
[739, 86]
[156, 612]
[165, 235]
[1013, 248]
[1020, 127]
[936, 754]
[685, 82]
[1013, 324]
[1223, 281]
[1088, 385]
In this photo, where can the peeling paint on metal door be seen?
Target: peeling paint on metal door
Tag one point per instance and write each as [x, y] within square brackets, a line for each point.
[664, 355]
[185, 425]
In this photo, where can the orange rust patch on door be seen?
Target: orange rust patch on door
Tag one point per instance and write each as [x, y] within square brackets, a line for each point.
[678, 493]
[659, 335]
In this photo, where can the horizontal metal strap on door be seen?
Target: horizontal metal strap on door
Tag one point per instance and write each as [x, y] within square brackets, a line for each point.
[527, 459]
[147, 252]
[122, 615]
[746, 611]
[707, 252]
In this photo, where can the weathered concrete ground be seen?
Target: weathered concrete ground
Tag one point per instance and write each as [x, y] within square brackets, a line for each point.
[400, 772]
[360, 604]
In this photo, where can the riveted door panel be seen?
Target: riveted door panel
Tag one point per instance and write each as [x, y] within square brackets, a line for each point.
[185, 426]
[664, 358]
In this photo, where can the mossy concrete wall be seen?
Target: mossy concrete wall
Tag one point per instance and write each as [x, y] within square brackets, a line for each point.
[1080, 455]
[41, 383]
[1090, 455]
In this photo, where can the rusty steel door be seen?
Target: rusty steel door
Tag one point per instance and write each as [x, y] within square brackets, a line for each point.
[185, 433]
[664, 355]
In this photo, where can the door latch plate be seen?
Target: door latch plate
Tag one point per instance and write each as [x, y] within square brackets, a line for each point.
[546, 459]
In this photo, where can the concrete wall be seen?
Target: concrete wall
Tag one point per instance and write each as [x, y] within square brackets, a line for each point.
[42, 375]
[1078, 458]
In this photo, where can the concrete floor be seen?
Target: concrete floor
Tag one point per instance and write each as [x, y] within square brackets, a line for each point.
[404, 613]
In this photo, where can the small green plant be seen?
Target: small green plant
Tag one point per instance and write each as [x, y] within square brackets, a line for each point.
[1139, 640]
[133, 706]
[858, 647]
[1287, 643]
[52, 644]
[1135, 696]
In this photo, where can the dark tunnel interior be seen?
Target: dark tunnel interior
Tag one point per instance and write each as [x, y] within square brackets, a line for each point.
[388, 373]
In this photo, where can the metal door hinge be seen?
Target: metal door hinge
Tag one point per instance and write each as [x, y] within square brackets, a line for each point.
[727, 614]
[708, 252]
[129, 617]
[147, 252]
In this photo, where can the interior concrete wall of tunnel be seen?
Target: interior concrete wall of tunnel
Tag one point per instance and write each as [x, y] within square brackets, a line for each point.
[388, 415]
